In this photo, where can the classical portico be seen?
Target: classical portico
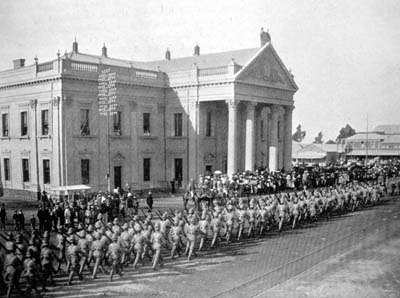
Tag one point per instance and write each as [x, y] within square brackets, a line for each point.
[260, 114]
[277, 125]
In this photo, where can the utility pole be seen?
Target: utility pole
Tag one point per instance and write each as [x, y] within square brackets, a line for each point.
[107, 106]
[366, 145]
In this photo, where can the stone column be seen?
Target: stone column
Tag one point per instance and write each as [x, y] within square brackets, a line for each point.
[232, 134]
[274, 142]
[266, 114]
[287, 159]
[250, 131]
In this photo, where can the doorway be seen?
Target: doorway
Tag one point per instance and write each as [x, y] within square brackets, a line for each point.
[208, 170]
[117, 176]
[178, 168]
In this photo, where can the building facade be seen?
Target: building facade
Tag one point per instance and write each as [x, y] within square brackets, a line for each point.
[174, 119]
[382, 142]
[322, 154]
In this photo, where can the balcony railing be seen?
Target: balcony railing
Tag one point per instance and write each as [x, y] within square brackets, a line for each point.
[146, 75]
[84, 67]
[213, 71]
[45, 66]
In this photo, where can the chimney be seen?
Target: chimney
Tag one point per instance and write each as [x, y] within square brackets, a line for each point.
[104, 51]
[18, 63]
[75, 46]
[167, 55]
[264, 37]
[196, 50]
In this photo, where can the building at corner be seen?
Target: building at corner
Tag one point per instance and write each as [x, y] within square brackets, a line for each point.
[175, 119]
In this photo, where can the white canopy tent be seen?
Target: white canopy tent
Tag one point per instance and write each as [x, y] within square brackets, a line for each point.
[69, 189]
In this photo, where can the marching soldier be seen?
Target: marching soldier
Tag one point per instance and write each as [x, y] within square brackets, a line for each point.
[31, 273]
[192, 229]
[204, 226]
[125, 241]
[157, 241]
[138, 244]
[176, 234]
[46, 258]
[114, 254]
[97, 251]
[74, 258]
[84, 247]
[12, 267]
[61, 246]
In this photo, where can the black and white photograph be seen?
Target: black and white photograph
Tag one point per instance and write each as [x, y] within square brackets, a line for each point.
[173, 149]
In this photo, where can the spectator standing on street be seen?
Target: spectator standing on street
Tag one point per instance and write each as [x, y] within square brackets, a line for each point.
[21, 220]
[33, 222]
[40, 216]
[185, 198]
[67, 217]
[149, 201]
[16, 221]
[129, 204]
[3, 216]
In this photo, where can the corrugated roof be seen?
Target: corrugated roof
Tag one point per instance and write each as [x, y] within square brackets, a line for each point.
[241, 57]
[296, 146]
[363, 136]
[388, 129]
[392, 139]
[332, 147]
[374, 152]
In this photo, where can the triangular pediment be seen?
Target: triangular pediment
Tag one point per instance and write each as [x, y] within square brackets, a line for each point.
[266, 68]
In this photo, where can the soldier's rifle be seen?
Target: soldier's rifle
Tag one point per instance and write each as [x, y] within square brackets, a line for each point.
[150, 222]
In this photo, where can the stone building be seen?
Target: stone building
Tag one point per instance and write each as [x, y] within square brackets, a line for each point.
[174, 119]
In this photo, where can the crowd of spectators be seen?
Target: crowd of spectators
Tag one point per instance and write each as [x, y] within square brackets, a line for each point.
[84, 208]
[261, 181]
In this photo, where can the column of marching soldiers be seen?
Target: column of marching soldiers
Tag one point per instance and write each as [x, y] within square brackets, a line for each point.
[33, 259]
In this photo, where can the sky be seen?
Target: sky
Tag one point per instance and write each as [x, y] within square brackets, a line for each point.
[345, 55]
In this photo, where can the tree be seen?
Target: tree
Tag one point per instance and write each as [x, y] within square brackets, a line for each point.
[318, 138]
[345, 132]
[299, 135]
[330, 142]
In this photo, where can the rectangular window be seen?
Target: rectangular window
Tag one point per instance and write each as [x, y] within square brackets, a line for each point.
[46, 171]
[208, 124]
[85, 171]
[6, 169]
[146, 123]
[262, 129]
[146, 169]
[85, 129]
[24, 123]
[45, 122]
[117, 123]
[25, 170]
[178, 124]
[4, 121]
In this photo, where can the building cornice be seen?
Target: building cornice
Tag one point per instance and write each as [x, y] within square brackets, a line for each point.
[265, 86]
[30, 82]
